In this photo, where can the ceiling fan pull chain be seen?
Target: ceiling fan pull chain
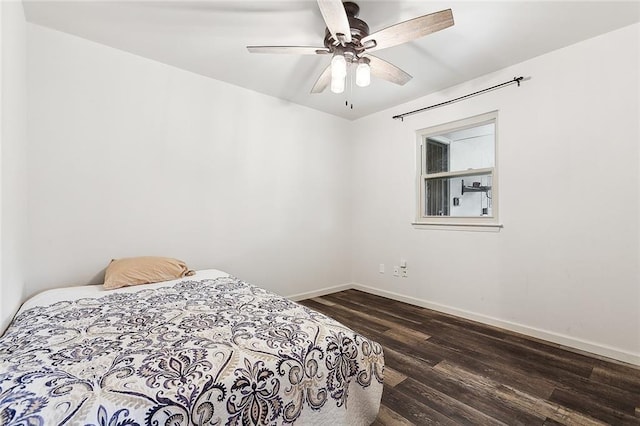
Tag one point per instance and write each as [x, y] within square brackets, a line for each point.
[353, 76]
[350, 82]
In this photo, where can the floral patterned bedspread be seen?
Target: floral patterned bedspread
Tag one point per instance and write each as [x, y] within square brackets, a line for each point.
[201, 352]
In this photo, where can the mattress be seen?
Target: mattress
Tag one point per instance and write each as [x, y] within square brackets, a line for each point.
[209, 349]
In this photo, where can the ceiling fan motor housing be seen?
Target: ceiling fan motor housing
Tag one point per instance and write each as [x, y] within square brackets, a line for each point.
[359, 30]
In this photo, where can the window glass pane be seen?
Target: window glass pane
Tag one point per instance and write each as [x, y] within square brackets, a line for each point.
[471, 148]
[437, 156]
[465, 196]
[437, 197]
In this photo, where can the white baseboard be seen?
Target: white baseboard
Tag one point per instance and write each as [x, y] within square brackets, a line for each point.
[321, 292]
[571, 343]
[561, 339]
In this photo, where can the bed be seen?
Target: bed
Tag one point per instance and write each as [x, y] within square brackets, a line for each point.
[208, 349]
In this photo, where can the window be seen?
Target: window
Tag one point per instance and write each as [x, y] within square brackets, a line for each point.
[457, 174]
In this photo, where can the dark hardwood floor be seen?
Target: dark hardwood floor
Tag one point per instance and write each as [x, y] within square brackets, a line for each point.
[441, 369]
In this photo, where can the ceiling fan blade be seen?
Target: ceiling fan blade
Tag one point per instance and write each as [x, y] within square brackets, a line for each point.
[323, 81]
[295, 50]
[386, 71]
[336, 19]
[408, 30]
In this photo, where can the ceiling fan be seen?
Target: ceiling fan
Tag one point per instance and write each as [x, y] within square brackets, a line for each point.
[347, 38]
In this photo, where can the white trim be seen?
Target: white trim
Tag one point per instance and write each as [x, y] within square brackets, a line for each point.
[320, 292]
[567, 342]
[459, 226]
[469, 172]
[462, 124]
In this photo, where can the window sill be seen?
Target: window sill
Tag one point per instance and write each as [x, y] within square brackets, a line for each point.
[459, 226]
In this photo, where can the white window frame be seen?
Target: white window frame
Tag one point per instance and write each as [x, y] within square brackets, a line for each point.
[480, 223]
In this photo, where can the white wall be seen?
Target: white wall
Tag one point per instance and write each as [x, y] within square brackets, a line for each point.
[13, 150]
[132, 157]
[566, 265]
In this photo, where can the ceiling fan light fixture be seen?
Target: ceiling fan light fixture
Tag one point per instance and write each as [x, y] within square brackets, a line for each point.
[337, 84]
[363, 73]
[338, 65]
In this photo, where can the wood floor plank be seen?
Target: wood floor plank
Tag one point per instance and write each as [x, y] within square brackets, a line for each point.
[323, 301]
[426, 354]
[626, 381]
[516, 398]
[351, 320]
[402, 310]
[514, 352]
[413, 410]
[388, 417]
[534, 377]
[481, 399]
[490, 389]
[445, 404]
[551, 422]
[391, 377]
[619, 367]
[381, 315]
[552, 349]
[539, 367]
[442, 369]
[593, 408]
[491, 365]
[406, 333]
[554, 411]
[390, 308]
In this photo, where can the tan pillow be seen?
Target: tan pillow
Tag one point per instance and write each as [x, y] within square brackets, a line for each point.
[143, 270]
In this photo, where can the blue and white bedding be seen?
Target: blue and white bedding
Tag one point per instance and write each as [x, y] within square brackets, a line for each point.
[208, 349]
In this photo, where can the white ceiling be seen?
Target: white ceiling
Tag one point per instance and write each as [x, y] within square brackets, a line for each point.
[209, 38]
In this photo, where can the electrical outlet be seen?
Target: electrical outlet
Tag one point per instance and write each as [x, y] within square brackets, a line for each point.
[381, 268]
[396, 271]
[405, 274]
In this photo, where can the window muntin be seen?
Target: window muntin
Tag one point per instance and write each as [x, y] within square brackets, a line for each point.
[457, 172]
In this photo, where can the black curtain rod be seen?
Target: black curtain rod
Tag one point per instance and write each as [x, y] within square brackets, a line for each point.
[506, 83]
